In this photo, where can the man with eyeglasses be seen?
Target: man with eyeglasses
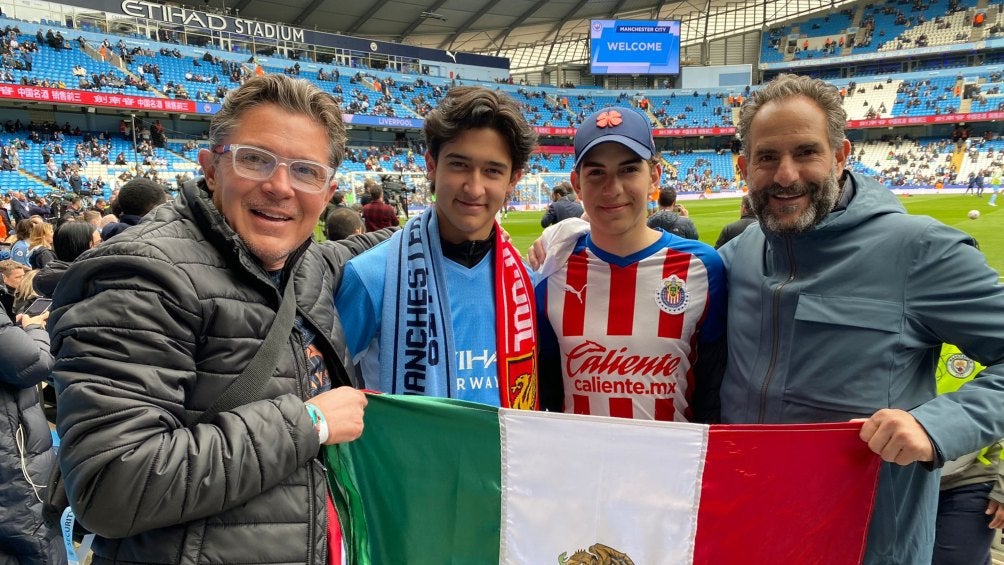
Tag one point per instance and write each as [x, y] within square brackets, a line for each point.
[150, 328]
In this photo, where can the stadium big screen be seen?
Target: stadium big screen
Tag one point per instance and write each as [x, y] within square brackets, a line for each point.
[634, 47]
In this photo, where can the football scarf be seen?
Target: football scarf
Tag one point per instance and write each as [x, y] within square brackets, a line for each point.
[416, 337]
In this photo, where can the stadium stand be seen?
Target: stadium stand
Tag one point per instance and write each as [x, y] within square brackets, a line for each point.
[140, 66]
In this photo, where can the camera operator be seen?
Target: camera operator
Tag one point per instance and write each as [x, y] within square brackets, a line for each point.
[395, 193]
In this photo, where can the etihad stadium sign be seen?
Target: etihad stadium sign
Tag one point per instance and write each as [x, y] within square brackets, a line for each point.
[193, 18]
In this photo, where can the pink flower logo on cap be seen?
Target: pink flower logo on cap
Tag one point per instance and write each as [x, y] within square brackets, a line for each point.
[609, 119]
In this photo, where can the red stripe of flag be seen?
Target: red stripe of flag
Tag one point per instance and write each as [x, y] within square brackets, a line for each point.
[759, 484]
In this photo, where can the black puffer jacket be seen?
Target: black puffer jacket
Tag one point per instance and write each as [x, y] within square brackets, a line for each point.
[561, 209]
[24, 538]
[48, 277]
[148, 330]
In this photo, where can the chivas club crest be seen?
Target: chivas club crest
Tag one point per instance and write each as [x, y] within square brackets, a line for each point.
[672, 297]
[960, 366]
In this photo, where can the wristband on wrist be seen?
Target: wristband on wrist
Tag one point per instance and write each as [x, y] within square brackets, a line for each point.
[320, 424]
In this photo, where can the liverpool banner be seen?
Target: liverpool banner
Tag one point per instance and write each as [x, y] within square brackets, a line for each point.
[441, 481]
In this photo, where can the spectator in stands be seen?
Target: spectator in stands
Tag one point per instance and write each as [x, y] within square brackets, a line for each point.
[12, 272]
[376, 213]
[69, 242]
[157, 134]
[337, 201]
[18, 206]
[40, 245]
[203, 278]
[932, 285]
[19, 249]
[52, 172]
[478, 143]
[342, 223]
[6, 224]
[136, 199]
[41, 208]
[73, 210]
[92, 217]
[25, 294]
[100, 206]
[731, 230]
[108, 218]
[672, 217]
[26, 443]
[561, 207]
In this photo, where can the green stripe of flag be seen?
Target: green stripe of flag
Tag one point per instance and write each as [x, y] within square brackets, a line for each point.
[445, 502]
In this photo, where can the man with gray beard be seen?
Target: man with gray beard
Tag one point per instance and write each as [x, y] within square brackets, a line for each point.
[839, 303]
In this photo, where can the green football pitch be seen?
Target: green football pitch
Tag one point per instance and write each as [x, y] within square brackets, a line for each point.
[710, 215]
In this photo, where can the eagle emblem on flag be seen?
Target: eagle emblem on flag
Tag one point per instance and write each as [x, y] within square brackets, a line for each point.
[598, 554]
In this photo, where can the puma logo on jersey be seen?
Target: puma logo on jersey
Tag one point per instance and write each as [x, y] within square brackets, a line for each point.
[577, 293]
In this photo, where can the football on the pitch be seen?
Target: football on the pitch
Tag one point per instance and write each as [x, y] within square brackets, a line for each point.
[973, 214]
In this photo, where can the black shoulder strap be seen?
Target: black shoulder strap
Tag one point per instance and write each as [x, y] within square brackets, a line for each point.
[248, 385]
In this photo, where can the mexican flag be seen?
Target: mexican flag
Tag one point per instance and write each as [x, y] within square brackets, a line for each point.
[441, 481]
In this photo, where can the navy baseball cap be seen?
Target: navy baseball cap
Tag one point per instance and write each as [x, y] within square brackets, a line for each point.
[622, 125]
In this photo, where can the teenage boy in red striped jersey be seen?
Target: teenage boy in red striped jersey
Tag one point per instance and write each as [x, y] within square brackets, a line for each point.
[632, 325]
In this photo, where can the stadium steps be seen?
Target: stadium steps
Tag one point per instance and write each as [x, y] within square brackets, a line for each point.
[856, 18]
[958, 156]
[552, 99]
[652, 119]
[977, 33]
[668, 168]
[33, 176]
[117, 62]
[178, 159]
[93, 53]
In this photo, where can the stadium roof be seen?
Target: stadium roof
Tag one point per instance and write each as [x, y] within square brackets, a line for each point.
[522, 30]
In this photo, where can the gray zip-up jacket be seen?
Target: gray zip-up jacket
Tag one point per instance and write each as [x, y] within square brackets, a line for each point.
[848, 318]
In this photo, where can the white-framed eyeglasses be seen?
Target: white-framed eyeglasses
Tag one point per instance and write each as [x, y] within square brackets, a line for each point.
[255, 163]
